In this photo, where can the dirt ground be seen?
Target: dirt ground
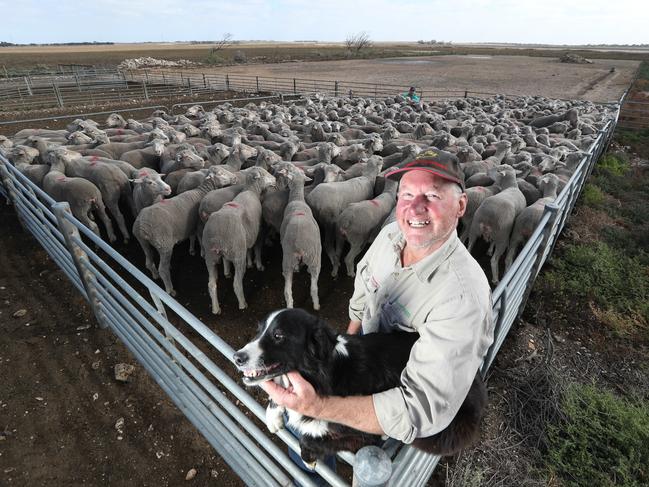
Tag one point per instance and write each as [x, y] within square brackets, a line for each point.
[513, 75]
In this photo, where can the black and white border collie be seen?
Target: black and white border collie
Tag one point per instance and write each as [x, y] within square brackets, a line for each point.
[343, 365]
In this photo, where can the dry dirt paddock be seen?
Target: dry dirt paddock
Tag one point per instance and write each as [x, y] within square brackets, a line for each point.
[515, 75]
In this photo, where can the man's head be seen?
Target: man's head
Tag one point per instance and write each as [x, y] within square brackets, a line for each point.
[431, 199]
[411, 90]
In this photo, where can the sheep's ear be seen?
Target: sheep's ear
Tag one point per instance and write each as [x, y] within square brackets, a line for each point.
[136, 181]
[307, 179]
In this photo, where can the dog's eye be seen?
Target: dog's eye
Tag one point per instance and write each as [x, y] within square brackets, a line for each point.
[278, 336]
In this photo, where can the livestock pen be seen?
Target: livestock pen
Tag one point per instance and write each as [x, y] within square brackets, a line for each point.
[192, 364]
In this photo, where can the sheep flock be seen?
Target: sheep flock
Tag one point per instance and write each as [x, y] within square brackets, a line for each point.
[304, 176]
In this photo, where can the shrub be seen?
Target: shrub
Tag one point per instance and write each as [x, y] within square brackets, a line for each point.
[240, 57]
[593, 195]
[612, 165]
[601, 440]
[608, 277]
[214, 57]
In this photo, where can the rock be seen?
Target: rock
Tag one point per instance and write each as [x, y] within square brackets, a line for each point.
[150, 62]
[574, 58]
[119, 425]
[191, 474]
[20, 313]
[123, 372]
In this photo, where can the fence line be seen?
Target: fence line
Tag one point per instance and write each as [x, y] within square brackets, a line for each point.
[137, 314]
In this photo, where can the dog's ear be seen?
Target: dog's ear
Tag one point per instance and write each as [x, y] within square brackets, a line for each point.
[320, 340]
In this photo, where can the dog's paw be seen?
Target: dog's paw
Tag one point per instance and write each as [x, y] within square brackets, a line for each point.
[274, 418]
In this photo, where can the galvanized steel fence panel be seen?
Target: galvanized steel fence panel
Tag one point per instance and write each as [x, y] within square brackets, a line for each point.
[184, 367]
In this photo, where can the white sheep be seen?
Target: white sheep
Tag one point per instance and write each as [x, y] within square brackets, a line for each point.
[232, 231]
[359, 221]
[328, 200]
[168, 222]
[299, 234]
[494, 219]
[529, 218]
[148, 188]
[83, 197]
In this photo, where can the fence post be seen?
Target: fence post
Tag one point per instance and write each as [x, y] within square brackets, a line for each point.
[181, 77]
[146, 91]
[257, 79]
[57, 93]
[29, 88]
[164, 80]
[466, 93]
[227, 83]
[10, 188]
[76, 79]
[81, 261]
[5, 70]
[335, 88]
[294, 86]
[204, 82]
[189, 85]
[146, 75]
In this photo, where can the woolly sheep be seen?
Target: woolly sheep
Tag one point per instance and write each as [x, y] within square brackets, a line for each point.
[168, 222]
[231, 231]
[299, 234]
[359, 221]
[328, 200]
[494, 219]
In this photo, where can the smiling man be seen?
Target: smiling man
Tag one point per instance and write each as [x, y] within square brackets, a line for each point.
[416, 276]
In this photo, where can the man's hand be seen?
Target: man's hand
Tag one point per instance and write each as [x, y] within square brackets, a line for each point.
[300, 396]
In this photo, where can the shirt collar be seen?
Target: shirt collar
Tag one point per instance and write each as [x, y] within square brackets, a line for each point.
[425, 268]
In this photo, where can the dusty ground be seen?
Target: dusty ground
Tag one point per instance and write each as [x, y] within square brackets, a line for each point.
[515, 75]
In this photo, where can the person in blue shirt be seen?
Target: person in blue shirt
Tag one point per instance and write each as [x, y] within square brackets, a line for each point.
[412, 95]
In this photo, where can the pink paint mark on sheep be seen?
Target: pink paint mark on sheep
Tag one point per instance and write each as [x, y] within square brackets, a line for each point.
[94, 158]
[231, 204]
[299, 213]
[61, 178]
[374, 202]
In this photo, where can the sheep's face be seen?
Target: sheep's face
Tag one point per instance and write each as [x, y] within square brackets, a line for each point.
[115, 120]
[428, 210]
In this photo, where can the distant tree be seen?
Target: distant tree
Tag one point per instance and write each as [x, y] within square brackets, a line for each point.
[225, 41]
[355, 43]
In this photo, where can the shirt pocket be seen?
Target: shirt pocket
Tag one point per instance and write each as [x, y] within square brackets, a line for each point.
[371, 284]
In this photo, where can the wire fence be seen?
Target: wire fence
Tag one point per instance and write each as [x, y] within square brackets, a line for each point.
[193, 372]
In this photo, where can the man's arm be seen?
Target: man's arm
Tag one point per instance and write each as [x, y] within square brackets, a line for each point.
[354, 327]
[353, 411]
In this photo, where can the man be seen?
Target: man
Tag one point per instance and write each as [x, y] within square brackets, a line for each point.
[416, 276]
[412, 95]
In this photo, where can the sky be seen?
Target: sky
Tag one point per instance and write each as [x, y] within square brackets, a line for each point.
[460, 21]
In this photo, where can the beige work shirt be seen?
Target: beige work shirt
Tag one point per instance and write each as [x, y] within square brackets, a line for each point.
[445, 298]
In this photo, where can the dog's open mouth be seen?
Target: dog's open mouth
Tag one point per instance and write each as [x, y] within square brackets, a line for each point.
[252, 377]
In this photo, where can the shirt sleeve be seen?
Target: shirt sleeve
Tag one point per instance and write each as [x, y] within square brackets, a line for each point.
[441, 368]
[357, 301]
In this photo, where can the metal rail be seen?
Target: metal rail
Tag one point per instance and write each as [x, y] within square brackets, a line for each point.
[138, 311]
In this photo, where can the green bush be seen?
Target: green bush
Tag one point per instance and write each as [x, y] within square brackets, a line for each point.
[608, 277]
[214, 57]
[593, 195]
[612, 165]
[601, 440]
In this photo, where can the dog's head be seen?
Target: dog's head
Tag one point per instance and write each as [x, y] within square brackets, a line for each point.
[288, 339]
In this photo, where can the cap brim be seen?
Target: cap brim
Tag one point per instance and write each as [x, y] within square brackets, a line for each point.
[399, 173]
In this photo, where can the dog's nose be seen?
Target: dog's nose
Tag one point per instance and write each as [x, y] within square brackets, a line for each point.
[240, 358]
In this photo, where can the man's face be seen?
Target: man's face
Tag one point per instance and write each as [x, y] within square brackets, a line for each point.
[428, 210]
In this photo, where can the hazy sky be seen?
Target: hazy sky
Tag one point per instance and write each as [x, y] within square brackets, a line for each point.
[524, 21]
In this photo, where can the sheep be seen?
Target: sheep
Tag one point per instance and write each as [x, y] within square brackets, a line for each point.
[148, 156]
[231, 231]
[328, 200]
[529, 218]
[184, 159]
[82, 196]
[148, 188]
[168, 222]
[494, 219]
[299, 234]
[110, 180]
[359, 221]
